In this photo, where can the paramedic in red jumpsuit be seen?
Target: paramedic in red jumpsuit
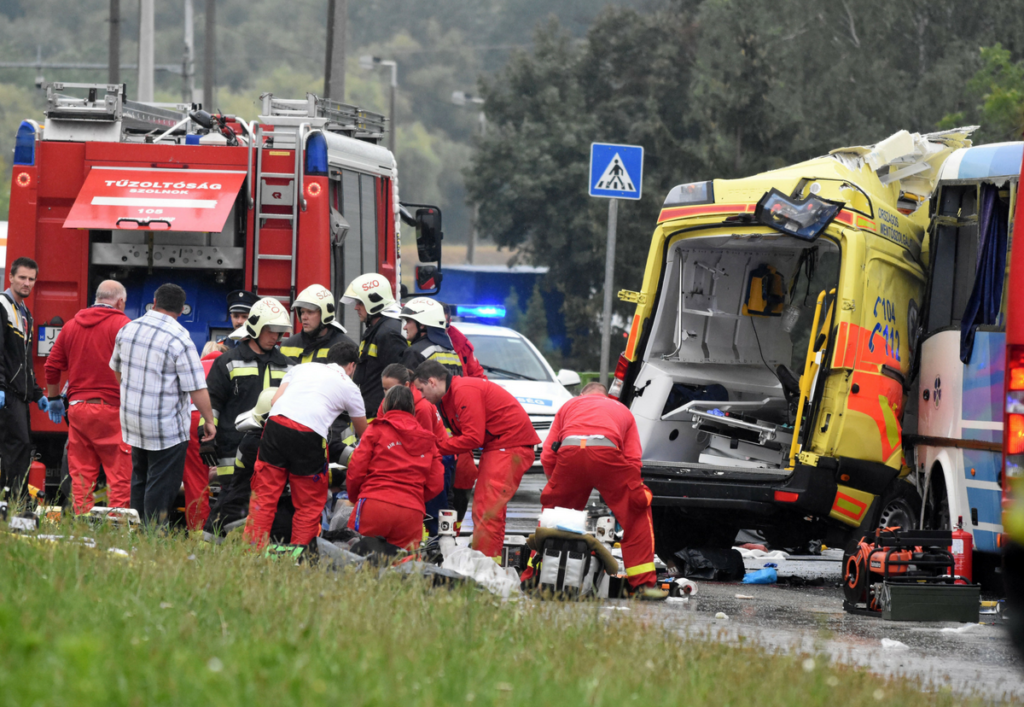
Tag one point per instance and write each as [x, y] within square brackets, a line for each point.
[483, 414]
[393, 472]
[600, 448]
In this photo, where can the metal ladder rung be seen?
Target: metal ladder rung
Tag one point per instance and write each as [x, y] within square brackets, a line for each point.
[286, 217]
[272, 256]
[277, 175]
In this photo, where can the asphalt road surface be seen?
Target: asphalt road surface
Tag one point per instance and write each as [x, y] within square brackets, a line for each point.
[966, 658]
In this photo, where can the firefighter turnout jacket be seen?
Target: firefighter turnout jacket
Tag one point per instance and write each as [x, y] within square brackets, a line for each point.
[235, 382]
[17, 376]
[382, 344]
[305, 348]
[433, 346]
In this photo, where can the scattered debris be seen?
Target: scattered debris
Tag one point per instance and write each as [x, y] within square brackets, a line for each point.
[722, 615]
[744, 596]
[960, 629]
[893, 645]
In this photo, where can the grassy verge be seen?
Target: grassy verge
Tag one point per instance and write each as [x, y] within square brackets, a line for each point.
[182, 623]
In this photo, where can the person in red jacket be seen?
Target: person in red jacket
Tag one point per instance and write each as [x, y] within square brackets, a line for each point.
[83, 348]
[483, 414]
[196, 478]
[426, 412]
[594, 443]
[394, 471]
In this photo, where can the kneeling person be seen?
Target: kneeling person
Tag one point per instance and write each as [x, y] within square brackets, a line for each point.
[293, 448]
[395, 469]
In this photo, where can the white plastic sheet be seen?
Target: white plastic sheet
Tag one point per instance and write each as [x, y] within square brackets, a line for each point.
[503, 581]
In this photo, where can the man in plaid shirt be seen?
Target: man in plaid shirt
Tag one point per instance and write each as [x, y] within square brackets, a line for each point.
[158, 368]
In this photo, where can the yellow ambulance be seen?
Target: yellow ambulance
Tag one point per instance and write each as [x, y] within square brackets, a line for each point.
[771, 352]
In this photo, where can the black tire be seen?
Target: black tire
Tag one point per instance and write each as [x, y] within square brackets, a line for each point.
[901, 507]
[1013, 578]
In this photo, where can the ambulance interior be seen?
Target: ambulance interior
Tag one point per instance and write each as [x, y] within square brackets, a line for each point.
[729, 340]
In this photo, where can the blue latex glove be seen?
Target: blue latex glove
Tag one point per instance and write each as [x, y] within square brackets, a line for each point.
[56, 410]
[3, 398]
[765, 576]
[43, 404]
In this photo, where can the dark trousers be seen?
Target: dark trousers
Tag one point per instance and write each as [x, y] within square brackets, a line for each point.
[156, 479]
[441, 501]
[15, 446]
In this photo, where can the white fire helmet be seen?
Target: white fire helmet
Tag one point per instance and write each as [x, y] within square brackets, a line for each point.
[425, 311]
[317, 297]
[267, 312]
[373, 290]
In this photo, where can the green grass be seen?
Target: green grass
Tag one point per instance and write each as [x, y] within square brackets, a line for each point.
[184, 623]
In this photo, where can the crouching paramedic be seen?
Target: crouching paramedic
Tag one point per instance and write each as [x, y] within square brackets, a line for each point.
[483, 414]
[430, 420]
[395, 469]
[593, 443]
[293, 448]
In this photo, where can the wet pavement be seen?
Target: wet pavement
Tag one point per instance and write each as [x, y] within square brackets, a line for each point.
[967, 658]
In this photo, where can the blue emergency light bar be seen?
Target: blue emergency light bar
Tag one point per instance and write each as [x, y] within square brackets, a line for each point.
[480, 311]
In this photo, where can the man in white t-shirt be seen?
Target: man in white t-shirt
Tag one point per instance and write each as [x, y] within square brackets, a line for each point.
[293, 449]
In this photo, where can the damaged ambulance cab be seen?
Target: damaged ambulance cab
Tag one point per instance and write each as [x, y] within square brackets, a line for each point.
[771, 350]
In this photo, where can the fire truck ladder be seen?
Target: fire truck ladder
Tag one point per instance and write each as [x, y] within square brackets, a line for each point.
[262, 188]
[292, 121]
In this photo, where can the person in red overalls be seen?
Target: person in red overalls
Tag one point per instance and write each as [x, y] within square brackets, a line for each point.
[395, 469]
[196, 478]
[594, 443]
[483, 414]
[425, 411]
[82, 349]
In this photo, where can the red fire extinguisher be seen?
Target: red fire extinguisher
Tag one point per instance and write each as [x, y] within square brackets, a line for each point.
[963, 553]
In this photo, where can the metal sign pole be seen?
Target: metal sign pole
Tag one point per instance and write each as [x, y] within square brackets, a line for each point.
[609, 274]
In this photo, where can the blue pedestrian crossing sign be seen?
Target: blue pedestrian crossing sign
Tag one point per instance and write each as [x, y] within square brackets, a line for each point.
[616, 171]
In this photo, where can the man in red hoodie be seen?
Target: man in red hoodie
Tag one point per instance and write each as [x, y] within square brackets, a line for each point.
[394, 471]
[483, 414]
[83, 348]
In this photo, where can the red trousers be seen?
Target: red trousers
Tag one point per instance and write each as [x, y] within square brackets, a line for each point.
[578, 471]
[287, 447]
[196, 479]
[500, 472]
[465, 471]
[94, 438]
[399, 526]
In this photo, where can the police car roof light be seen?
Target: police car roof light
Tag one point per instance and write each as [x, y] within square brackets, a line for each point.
[481, 311]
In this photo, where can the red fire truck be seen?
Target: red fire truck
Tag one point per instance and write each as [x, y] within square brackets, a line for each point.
[154, 193]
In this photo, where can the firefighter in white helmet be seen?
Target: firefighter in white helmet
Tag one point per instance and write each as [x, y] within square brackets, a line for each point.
[383, 342]
[320, 326]
[424, 323]
[237, 378]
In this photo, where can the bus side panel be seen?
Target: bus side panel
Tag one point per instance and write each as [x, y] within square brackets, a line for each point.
[982, 420]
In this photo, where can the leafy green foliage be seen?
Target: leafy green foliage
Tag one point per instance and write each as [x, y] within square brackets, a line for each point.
[999, 88]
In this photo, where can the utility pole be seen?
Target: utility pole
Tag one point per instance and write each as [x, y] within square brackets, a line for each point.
[334, 63]
[188, 60]
[209, 55]
[114, 50]
[146, 51]
[609, 276]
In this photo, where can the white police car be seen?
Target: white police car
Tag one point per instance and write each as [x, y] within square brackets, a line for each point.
[511, 361]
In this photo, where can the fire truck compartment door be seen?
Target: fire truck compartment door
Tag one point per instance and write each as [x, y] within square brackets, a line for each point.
[155, 199]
